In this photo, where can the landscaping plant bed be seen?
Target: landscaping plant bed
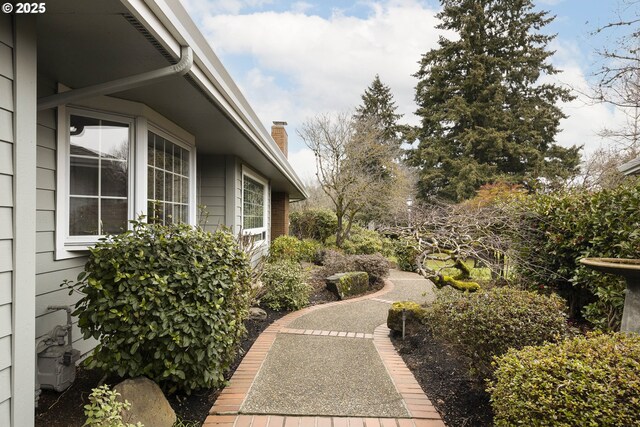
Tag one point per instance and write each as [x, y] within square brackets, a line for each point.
[444, 377]
[66, 409]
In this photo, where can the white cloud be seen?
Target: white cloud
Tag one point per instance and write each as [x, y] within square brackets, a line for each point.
[325, 64]
[211, 7]
[304, 163]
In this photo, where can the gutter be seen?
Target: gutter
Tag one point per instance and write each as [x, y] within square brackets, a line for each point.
[150, 77]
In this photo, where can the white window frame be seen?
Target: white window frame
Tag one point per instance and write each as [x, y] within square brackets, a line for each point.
[141, 120]
[265, 224]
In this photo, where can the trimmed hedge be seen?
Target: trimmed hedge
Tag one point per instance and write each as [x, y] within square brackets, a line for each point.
[585, 381]
[487, 323]
[285, 286]
[165, 302]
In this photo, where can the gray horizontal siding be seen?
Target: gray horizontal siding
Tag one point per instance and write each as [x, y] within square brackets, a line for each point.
[7, 132]
[50, 273]
[211, 191]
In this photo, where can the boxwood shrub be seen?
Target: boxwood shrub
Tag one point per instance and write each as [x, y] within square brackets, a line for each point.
[376, 266]
[487, 323]
[165, 302]
[584, 381]
[285, 286]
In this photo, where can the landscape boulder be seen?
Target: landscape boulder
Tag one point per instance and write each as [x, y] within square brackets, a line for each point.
[256, 313]
[413, 317]
[345, 285]
[148, 404]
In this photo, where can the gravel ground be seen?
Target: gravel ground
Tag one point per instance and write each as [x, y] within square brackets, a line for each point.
[309, 375]
[361, 316]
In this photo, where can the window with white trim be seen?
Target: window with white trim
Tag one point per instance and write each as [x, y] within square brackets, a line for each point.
[113, 168]
[254, 205]
[167, 180]
[98, 175]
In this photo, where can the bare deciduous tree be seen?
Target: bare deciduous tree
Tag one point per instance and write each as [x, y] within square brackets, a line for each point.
[354, 170]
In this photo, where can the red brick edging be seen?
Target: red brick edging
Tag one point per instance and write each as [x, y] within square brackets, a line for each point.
[225, 411]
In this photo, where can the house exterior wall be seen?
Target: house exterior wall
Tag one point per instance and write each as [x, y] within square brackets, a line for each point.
[211, 181]
[51, 272]
[7, 132]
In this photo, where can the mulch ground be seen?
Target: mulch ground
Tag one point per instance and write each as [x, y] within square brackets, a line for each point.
[66, 409]
[444, 377]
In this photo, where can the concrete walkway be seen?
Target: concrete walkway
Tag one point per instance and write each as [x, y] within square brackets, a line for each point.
[331, 365]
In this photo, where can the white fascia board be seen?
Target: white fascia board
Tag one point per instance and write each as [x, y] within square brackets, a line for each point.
[169, 22]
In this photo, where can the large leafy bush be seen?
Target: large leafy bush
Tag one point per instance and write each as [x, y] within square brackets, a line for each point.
[285, 286]
[165, 302]
[585, 381]
[317, 224]
[559, 229]
[487, 323]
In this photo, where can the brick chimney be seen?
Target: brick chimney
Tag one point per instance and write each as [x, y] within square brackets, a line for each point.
[279, 135]
[280, 200]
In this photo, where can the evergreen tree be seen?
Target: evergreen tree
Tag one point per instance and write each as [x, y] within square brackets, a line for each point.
[379, 107]
[484, 115]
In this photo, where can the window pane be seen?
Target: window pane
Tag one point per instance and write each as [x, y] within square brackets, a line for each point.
[253, 204]
[168, 187]
[158, 152]
[150, 149]
[83, 216]
[185, 162]
[114, 140]
[168, 156]
[114, 216]
[85, 136]
[115, 178]
[168, 213]
[159, 185]
[150, 182]
[84, 176]
[185, 191]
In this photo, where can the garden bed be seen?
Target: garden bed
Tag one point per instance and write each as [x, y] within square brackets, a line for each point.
[444, 377]
[66, 409]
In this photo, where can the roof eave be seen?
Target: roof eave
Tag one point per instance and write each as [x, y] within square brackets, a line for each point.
[170, 23]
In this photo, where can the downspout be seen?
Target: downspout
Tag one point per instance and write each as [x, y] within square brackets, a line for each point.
[120, 85]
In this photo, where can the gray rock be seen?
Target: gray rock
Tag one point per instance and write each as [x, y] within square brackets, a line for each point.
[148, 404]
[349, 284]
[256, 313]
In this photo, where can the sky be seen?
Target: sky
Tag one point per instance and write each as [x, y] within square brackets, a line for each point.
[296, 59]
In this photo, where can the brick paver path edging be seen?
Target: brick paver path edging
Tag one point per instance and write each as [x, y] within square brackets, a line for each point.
[225, 411]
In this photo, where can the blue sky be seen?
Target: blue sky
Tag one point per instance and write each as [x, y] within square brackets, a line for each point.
[295, 59]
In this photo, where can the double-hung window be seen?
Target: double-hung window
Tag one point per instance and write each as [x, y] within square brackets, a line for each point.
[113, 168]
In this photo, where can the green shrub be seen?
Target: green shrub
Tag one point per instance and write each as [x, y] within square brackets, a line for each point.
[406, 251]
[376, 266]
[292, 248]
[584, 381]
[317, 224]
[366, 242]
[559, 229]
[487, 323]
[165, 302]
[105, 410]
[285, 286]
